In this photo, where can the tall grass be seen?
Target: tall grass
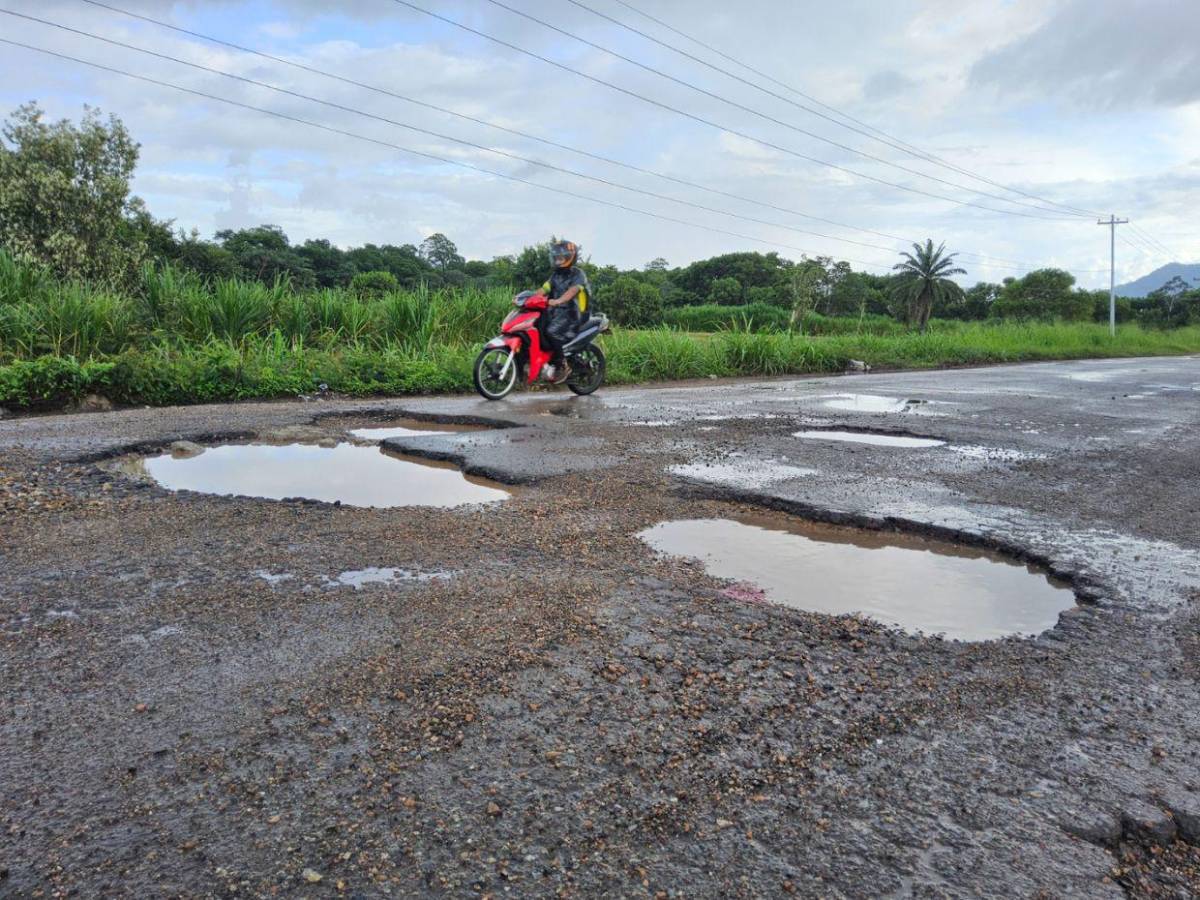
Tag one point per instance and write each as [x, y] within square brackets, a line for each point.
[179, 340]
[176, 309]
[767, 318]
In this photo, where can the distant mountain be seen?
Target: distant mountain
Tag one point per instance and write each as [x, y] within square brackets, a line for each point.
[1160, 276]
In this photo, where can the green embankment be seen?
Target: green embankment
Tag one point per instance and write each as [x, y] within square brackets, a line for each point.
[176, 340]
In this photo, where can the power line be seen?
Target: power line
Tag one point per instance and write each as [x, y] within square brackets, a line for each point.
[489, 124]
[762, 115]
[864, 129]
[1153, 241]
[1128, 239]
[989, 259]
[513, 156]
[1139, 243]
[1139, 240]
[421, 153]
[712, 124]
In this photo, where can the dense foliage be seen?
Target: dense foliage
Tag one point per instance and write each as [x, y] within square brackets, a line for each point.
[95, 294]
[65, 203]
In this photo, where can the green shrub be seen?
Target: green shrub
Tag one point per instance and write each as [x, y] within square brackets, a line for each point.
[50, 381]
[374, 284]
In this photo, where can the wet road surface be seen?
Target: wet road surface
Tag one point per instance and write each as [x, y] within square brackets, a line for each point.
[204, 695]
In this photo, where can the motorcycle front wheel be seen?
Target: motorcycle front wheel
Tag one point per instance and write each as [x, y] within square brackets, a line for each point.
[587, 370]
[495, 372]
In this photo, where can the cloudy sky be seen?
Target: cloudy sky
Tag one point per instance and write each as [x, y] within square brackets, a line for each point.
[1086, 105]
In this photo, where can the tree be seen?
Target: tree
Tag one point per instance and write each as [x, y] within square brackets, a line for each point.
[633, 303]
[602, 278]
[978, 300]
[805, 286]
[64, 195]
[264, 254]
[1043, 294]
[328, 263]
[658, 264]
[210, 261]
[1123, 307]
[924, 280]
[1173, 305]
[373, 284]
[725, 291]
[749, 269]
[532, 266]
[439, 251]
[403, 262]
[859, 293]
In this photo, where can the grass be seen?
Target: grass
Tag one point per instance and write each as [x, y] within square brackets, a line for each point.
[764, 317]
[180, 341]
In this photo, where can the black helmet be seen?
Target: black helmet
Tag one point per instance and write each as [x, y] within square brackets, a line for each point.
[563, 254]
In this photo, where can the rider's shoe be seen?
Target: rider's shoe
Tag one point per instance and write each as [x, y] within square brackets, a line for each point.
[559, 374]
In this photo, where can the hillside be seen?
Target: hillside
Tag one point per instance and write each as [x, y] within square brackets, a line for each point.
[1160, 276]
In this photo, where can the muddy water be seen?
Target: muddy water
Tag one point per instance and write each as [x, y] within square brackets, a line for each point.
[350, 474]
[411, 428]
[918, 584]
[862, 437]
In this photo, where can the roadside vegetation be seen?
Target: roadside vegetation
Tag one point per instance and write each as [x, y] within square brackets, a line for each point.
[99, 297]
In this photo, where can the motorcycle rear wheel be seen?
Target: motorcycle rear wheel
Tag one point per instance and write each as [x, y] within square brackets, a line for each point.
[490, 379]
[587, 370]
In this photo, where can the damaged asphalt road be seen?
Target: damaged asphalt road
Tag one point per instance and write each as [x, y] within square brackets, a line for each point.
[195, 700]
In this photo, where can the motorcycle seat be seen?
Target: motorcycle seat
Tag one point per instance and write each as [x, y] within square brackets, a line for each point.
[593, 322]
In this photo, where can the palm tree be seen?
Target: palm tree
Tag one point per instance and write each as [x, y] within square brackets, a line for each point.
[923, 280]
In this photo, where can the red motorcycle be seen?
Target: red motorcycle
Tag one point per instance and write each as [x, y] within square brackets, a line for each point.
[518, 352]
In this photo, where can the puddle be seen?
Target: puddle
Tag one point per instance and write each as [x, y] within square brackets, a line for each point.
[359, 578]
[871, 403]
[862, 437]
[412, 428]
[1104, 375]
[346, 473]
[919, 584]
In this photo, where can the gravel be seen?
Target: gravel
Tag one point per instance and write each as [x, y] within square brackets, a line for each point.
[569, 714]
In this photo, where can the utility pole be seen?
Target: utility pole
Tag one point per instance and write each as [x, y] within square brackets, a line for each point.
[1112, 224]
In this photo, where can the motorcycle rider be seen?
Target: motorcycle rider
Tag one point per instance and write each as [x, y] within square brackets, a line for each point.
[567, 291]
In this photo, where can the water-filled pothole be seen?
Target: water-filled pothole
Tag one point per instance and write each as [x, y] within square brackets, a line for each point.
[412, 428]
[872, 403]
[347, 473]
[919, 584]
[360, 578]
[866, 437]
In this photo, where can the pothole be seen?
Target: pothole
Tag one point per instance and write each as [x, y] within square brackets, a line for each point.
[921, 585]
[866, 437]
[360, 578]
[345, 473]
[872, 403]
[412, 428]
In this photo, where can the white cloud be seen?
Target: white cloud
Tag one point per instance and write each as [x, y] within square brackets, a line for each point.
[990, 87]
